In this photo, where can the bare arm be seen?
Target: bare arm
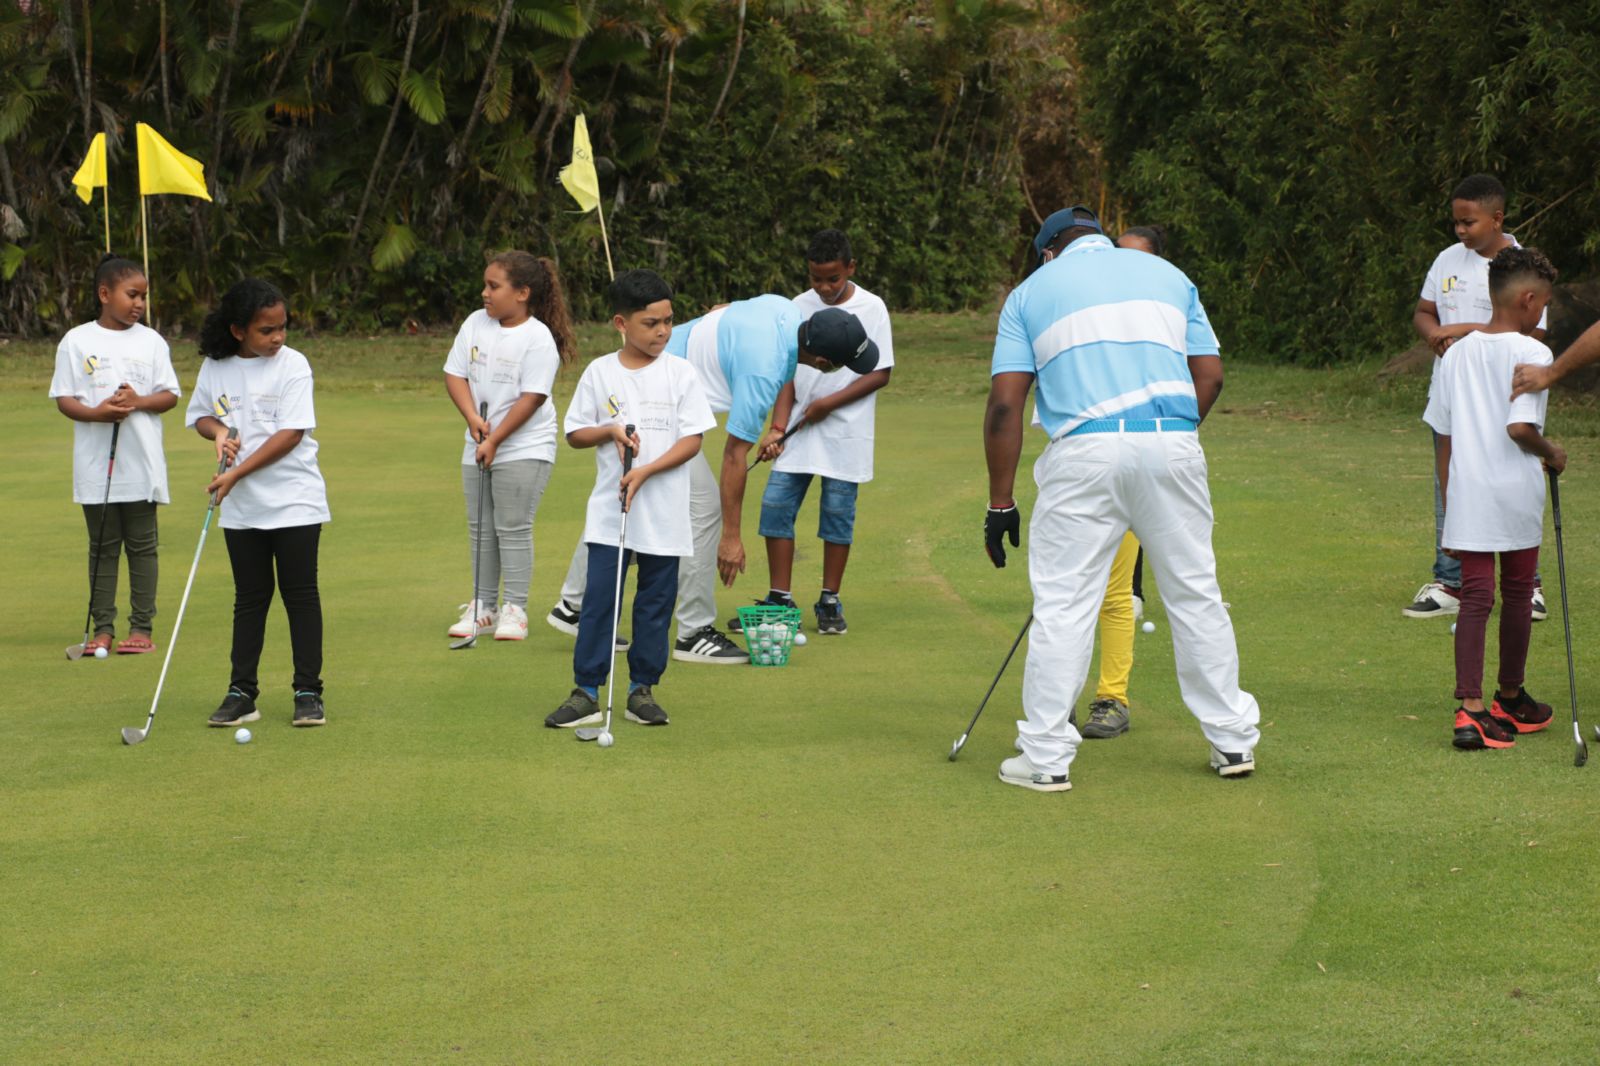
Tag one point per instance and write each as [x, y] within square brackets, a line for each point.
[113, 408]
[1002, 434]
[730, 552]
[1425, 320]
[1206, 370]
[868, 384]
[1529, 439]
[272, 449]
[1582, 352]
[516, 417]
[460, 391]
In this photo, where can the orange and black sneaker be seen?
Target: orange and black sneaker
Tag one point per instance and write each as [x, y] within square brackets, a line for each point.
[1479, 729]
[1521, 712]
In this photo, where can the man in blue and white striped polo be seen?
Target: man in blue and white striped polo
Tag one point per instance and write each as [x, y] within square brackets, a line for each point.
[1127, 368]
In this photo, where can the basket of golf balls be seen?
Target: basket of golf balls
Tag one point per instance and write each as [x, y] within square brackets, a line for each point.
[769, 633]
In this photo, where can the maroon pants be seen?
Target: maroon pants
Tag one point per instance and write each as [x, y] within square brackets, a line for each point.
[1517, 571]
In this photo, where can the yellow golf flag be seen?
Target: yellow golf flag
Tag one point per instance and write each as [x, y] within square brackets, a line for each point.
[579, 176]
[162, 168]
[92, 175]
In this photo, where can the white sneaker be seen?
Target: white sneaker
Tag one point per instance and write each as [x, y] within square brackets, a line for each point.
[1540, 610]
[1232, 764]
[513, 623]
[1019, 771]
[1432, 601]
[1138, 608]
[474, 610]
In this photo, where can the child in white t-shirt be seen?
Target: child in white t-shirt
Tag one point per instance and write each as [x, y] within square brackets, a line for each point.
[114, 379]
[833, 436]
[665, 403]
[1491, 449]
[506, 357]
[272, 497]
[1454, 302]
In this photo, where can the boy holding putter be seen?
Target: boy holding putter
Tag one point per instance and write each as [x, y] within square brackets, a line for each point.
[664, 402]
[831, 416]
[1491, 451]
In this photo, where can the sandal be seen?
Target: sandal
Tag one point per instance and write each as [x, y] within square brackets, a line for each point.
[101, 640]
[135, 644]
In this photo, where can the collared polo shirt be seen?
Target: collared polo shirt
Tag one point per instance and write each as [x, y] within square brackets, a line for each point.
[1108, 333]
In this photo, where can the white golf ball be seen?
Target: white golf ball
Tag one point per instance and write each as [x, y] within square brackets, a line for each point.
[241, 736]
[606, 740]
[1149, 627]
[800, 640]
[100, 653]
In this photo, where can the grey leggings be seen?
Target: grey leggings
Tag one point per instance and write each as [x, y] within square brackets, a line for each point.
[506, 546]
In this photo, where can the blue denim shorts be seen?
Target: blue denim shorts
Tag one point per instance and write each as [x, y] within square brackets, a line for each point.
[781, 502]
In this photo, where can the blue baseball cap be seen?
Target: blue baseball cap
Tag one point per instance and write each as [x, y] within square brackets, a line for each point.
[840, 338]
[1078, 215]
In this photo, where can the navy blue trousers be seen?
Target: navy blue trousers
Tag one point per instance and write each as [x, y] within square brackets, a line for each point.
[655, 592]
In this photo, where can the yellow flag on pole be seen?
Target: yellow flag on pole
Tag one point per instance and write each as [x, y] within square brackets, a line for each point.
[164, 169]
[92, 175]
[579, 176]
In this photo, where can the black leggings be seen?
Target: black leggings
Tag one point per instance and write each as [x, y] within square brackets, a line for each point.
[253, 553]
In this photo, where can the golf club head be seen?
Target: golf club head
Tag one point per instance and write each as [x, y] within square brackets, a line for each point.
[1580, 756]
[132, 736]
[76, 652]
[588, 733]
[470, 642]
[960, 743]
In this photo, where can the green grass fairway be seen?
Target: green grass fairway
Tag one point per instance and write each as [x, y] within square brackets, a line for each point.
[793, 872]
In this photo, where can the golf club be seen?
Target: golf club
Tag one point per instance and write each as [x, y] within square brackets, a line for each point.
[1581, 755]
[76, 651]
[781, 442]
[484, 475]
[603, 734]
[131, 735]
[962, 740]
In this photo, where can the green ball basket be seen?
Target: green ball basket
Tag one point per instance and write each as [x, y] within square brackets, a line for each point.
[769, 646]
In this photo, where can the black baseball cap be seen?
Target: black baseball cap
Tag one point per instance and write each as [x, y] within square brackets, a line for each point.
[1078, 215]
[841, 339]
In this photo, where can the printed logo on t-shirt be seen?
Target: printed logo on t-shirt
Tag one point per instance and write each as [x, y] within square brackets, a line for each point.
[137, 370]
[507, 369]
[265, 408]
[91, 364]
[613, 405]
[475, 361]
[1450, 284]
[224, 405]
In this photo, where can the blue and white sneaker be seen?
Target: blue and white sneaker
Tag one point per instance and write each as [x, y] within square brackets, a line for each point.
[1232, 763]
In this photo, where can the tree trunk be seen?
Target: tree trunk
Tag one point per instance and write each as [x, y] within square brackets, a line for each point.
[666, 103]
[733, 64]
[166, 84]
[222, 95]
[388, 131]
[458, 152]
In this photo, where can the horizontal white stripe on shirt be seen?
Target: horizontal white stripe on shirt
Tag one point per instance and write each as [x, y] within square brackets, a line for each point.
[1118, 404]
[1125, 322]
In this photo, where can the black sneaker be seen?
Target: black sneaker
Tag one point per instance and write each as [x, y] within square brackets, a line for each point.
[564, 617]
[580, 708]
[643, 708]
[708, 645]
[308, 709]
[830, 616]
[236, 709]
[766, 601]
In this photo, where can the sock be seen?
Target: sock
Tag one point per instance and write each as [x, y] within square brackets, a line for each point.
[779, 594]
[594, 693]
[829, 594]
[633, 687]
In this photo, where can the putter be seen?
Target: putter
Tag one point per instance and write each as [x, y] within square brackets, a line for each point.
[1581, 754]
[781, 441]
[131, 735]
[484, 475]
[616, 614]
[961, 741]
[76, 651]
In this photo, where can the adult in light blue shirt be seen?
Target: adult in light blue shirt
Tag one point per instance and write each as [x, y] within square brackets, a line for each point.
[1127, 367]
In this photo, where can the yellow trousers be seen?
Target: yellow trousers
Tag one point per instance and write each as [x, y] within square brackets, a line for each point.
[1116, 625]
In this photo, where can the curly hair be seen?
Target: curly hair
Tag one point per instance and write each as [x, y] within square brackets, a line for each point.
[1514, 264]
[546, 301]
[239, 307]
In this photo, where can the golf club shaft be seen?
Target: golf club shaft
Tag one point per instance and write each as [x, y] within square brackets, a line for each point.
[616, 597]
[100, 537]
[477, 540]
[1002, 672]
[172, 641]
[1566, 619]
[781, 442]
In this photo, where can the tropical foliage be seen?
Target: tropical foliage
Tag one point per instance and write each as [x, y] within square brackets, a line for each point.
[369, 153]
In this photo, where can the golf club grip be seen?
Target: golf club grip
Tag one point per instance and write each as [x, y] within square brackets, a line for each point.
[627, 453]
[111, 460]
[483, 413]
[222, 464]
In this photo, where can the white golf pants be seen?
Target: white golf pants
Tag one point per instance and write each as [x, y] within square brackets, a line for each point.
[1093, 487]
[697, 575]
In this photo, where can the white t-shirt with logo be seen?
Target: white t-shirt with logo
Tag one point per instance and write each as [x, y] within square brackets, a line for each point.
[500, 365]
[91, 362]
[840, 446]
[1458, 285]
[665, 402]
[259, 397]
[1495, 498]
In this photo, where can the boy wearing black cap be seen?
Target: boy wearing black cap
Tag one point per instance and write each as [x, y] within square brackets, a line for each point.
[832, 436]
